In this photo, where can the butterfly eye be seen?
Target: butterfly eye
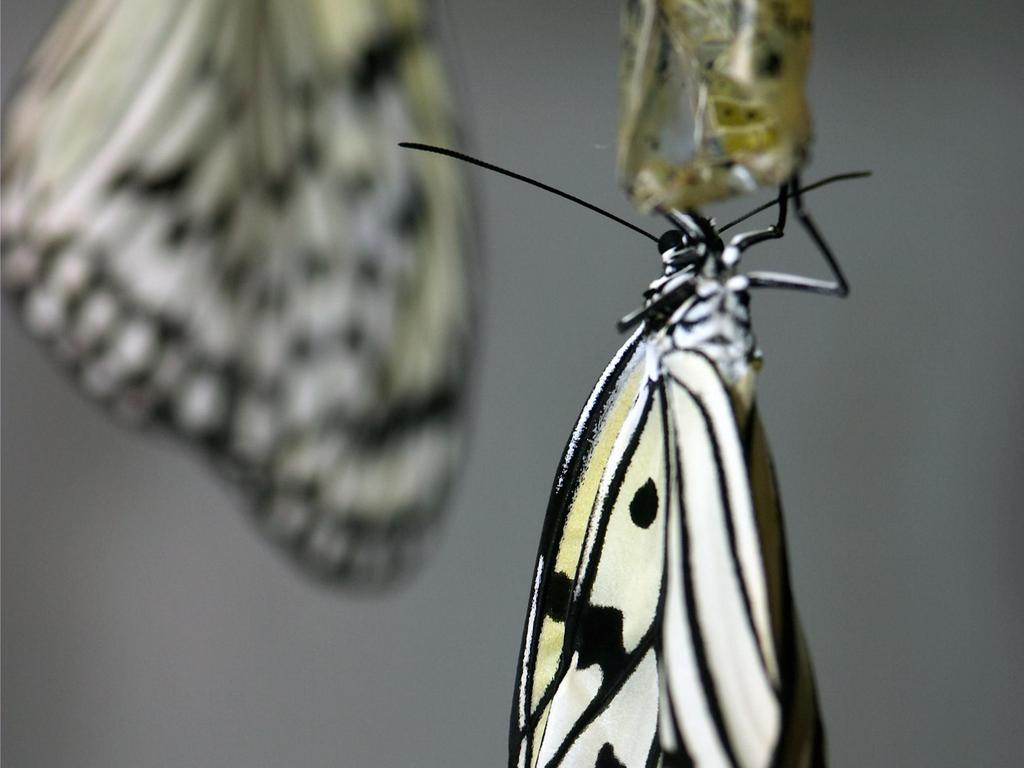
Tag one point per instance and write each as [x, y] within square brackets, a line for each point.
[673, 239]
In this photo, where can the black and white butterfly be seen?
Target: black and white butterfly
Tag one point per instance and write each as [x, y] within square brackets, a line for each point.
[208, 223]
[661, 629]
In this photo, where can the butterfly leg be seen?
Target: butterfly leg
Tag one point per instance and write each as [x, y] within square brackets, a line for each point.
[741, 242]
[835, 287]
[840, 286]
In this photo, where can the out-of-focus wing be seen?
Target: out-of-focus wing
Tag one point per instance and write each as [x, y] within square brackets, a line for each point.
[206, 218]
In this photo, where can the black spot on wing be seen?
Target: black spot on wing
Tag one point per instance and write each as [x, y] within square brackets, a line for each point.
[410, 214]
[599, 639]
[356, 186]
[556, 596]
[305, 95]
[221, 219]
[301, 348]
[207, 67]
[770, 64]
[606, 758]
[379, 61]
[676, 760]
[354, 337]
[315, 264]
[368, 270]
[278, 189]
[177, 232]
[170, 182]
[643, 509]
[310, 153]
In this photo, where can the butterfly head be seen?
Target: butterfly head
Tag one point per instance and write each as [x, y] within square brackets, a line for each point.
[692, 245]
[692, 255]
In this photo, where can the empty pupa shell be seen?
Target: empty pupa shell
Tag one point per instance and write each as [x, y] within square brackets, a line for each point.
[712, 98]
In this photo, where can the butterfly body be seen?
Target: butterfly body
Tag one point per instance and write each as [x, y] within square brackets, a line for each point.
[661, 629]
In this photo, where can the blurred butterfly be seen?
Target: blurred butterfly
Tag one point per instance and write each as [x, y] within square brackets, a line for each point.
[661, 629]
[712, 98]
[206, 220]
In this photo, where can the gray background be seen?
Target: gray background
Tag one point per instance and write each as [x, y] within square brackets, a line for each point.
[145, 625]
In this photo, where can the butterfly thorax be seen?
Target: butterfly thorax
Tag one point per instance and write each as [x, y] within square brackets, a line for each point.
[701, 303]
[715, 320]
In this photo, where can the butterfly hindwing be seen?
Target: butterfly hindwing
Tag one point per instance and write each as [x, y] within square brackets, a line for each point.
[207, 220]
[718, 655]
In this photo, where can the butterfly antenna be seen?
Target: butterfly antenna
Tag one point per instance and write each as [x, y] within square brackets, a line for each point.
[795, 192]
[518, 176]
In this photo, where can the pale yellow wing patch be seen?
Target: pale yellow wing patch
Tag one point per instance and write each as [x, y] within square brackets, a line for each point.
[552, 632]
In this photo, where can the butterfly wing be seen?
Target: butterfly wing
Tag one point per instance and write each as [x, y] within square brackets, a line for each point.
[546, 707]
[712, 98]
[660, 628]
[737, 687]
[207, 220]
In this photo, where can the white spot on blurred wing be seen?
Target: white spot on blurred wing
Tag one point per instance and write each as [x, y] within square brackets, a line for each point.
[255, 428]
[20, 266]
[44, 312]
[200, 404]
[70, 273]
[135, 345]
[95, 318]
[287, 518]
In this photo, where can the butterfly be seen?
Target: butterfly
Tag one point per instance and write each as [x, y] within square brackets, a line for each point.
[712, 98]
[207, 223]
[661, 628]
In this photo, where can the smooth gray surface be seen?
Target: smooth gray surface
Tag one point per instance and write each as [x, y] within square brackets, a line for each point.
[144, 624]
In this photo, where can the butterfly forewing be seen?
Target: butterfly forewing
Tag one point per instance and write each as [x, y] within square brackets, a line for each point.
[207, 219]
[577, 485]
[607, 669]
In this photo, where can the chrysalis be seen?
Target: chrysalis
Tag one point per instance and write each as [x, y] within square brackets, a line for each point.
[712, 98]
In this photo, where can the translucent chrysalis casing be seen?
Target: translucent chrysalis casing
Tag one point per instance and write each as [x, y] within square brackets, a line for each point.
[712, 98]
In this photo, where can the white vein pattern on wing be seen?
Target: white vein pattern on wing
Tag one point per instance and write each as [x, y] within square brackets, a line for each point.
[686, 700]
[145, 110]
[746, 697]
[703, 381]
